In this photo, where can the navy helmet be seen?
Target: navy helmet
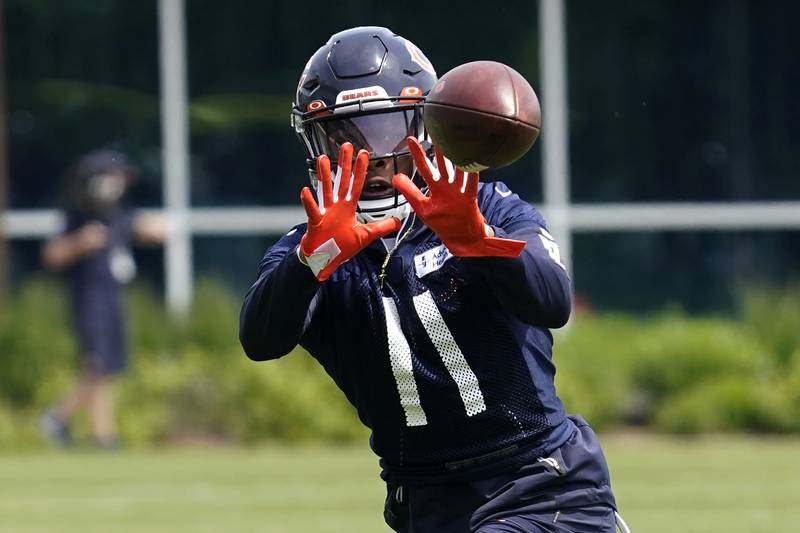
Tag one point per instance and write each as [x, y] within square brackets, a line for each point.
[366, 86]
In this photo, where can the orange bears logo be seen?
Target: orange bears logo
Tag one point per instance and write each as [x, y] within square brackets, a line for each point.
[419, 58]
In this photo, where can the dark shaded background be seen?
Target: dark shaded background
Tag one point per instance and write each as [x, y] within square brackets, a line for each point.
[669, 101]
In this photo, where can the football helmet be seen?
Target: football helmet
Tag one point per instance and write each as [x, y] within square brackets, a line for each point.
[366, 85]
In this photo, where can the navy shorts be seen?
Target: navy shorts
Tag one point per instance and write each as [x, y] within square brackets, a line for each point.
[101, 337]
[568, 491]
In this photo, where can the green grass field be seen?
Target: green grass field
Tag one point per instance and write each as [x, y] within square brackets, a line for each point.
[708, 485]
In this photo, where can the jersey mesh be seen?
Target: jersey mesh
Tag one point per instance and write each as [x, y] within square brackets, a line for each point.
[474, 383]
[436, 366]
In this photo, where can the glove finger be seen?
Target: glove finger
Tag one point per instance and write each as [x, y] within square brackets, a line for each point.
[424, 166]
[324, 176]
[310, 206]
[445, 173]
[458, 180]
[360, 174]
[411, 193]
[471, 186]
[344, 171]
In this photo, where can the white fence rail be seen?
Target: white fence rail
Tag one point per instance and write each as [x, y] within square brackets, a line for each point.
[577, 218]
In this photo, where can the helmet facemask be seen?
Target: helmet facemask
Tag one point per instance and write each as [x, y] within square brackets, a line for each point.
[378, 125]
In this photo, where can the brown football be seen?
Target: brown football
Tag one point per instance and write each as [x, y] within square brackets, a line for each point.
[483, 115]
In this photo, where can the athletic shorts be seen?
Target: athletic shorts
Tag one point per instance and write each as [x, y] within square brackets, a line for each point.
[101, 337]
[567, 491]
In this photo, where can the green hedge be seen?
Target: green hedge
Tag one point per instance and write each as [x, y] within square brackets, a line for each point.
[668, 372]
[676, 373]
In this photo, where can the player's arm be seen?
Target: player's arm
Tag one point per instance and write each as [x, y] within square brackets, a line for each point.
[149, 229]
[275, 309]
[534, 286]
[63, 250]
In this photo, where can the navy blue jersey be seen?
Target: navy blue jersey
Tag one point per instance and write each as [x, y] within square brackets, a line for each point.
[446, 359]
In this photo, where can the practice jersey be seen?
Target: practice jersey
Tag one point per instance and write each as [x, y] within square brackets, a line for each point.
[446, 359]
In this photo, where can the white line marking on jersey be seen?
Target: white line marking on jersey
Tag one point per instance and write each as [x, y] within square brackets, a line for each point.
[504, 194]
[402, 368]
[549, 243]
[451, 354]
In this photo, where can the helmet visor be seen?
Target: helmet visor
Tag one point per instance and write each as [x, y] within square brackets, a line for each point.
[381, 134]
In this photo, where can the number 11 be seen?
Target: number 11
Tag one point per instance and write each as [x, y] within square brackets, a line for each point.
[446, 346]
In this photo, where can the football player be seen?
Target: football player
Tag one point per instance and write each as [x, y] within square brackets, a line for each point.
[427, 297]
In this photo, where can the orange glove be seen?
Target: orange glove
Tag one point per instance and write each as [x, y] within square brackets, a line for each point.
[333, 235]
[451, 210]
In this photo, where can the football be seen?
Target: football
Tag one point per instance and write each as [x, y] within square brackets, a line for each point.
[482, 115]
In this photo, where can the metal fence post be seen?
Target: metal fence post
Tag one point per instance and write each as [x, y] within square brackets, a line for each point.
[175, 142]
[555, 124]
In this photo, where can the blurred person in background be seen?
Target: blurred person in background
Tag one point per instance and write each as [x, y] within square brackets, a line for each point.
[428, 297]
[95, 252]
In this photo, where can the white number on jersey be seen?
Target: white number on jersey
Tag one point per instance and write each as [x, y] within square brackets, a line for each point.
[550, 245]
[452, 357]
